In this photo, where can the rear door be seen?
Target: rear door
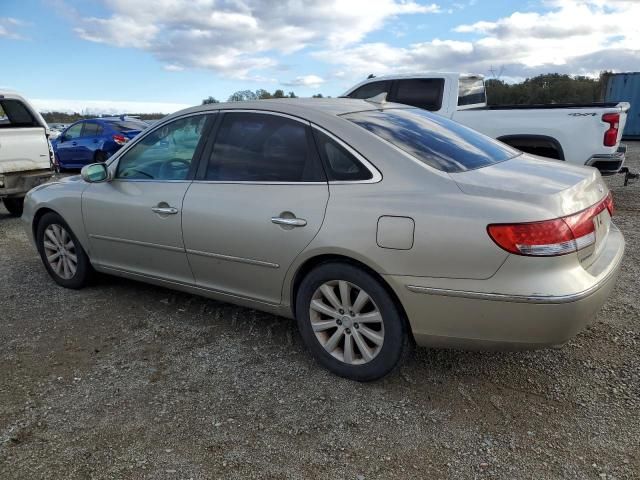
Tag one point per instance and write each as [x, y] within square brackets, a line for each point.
[258, 201]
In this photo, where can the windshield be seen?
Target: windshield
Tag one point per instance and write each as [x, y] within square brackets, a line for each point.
[434, 140]
[471, 91]
[127, 125]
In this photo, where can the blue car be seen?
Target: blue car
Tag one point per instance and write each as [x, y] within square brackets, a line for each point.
[94, 140]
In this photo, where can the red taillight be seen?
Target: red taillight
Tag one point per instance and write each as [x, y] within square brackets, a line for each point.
[120, 139]
[551, 237]
[611, 135]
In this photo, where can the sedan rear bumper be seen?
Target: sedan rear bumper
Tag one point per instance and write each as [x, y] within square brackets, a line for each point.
[478, 319]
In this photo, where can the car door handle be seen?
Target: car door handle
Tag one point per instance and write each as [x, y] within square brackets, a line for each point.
[290, 222]
[74, 143]
[165, 210]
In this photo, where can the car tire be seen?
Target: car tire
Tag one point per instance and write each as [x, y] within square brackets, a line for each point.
[355, 361]
[71, 269]
[14, 206]
[100, 156]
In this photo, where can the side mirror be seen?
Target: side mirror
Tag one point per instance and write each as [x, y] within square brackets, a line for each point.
[95, 173]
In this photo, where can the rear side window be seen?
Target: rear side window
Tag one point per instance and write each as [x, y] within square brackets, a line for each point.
[256, 147]
[434, 140]
[14, 114]
[90, 129]
[471, 91]
[370, 90]
[419, 92]
[339, 164]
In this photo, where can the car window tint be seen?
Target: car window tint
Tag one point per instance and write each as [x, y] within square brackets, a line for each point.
[128, 125]
[90, 129]
[73, 131]
[14, 113]
[256, 147]
[370, 90]
[471, 91]
[434, 140]
[164, 154]
[338, 162]
[420, 92]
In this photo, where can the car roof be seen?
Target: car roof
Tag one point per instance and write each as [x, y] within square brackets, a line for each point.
[312, 109]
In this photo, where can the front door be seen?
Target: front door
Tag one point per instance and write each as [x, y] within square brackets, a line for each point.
[259, 202]
[134, 221]
[67, 144]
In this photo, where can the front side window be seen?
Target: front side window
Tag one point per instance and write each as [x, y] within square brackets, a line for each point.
[339, 164]
[420, 92]
[14, 113]
[164, 154]
[370, 90]
[257, 147]
[434, 140]
[74, 131]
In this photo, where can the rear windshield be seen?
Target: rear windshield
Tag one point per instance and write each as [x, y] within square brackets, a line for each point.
[128, 125]
[434, 140]
[471, 91]
[14, 113]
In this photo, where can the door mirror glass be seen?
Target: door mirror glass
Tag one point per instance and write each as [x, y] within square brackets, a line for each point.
[95, 173]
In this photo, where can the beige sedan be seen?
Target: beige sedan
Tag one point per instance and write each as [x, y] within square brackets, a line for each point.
[373, 224]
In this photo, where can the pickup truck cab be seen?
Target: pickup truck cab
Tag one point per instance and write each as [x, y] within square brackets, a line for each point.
[585, 134]
[25, 152]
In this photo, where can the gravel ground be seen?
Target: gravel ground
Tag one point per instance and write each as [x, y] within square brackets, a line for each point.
[125, 380]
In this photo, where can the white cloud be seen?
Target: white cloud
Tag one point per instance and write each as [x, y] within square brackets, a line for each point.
[305, 81]
[107, 107]
[9, 27]
[573, 36]
[236, 37]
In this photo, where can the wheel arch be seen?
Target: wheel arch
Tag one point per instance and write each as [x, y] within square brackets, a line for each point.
[542, 140]
[312, 262]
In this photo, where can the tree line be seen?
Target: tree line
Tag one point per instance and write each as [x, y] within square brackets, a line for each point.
[260, 94]
[547, 88]
[64, 117]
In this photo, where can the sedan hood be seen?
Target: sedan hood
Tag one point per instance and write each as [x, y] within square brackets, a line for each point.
[556, 186]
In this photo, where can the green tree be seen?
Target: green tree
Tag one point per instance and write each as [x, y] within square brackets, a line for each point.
[317, 95]
[263, 94]
[210, 100]
[242, 95]
[278, 94]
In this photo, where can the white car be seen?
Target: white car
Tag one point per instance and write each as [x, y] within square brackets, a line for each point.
[582, 134]
[26, 155]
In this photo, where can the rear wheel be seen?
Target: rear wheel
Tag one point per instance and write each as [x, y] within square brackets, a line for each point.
[61, 252]
[14, 206]
[350, 323]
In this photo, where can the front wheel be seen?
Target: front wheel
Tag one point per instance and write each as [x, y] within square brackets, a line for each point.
[62, 255]
[350, 322]
[14, 206]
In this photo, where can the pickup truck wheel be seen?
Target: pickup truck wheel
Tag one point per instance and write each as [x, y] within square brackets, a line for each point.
[14, 205]
[62, 254]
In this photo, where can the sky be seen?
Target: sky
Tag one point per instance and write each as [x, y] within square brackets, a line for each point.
[109, 56]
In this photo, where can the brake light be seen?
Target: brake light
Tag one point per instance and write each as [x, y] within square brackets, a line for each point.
[120, 139]
[551, 237]
[611, 135]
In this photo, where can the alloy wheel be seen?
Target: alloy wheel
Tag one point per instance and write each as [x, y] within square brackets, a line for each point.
[346, 322]
[60, 251]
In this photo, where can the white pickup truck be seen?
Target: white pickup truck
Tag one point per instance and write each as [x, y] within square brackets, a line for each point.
[26, 155]
[585, 134]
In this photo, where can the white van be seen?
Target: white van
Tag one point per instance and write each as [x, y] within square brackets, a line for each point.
[26, 156]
